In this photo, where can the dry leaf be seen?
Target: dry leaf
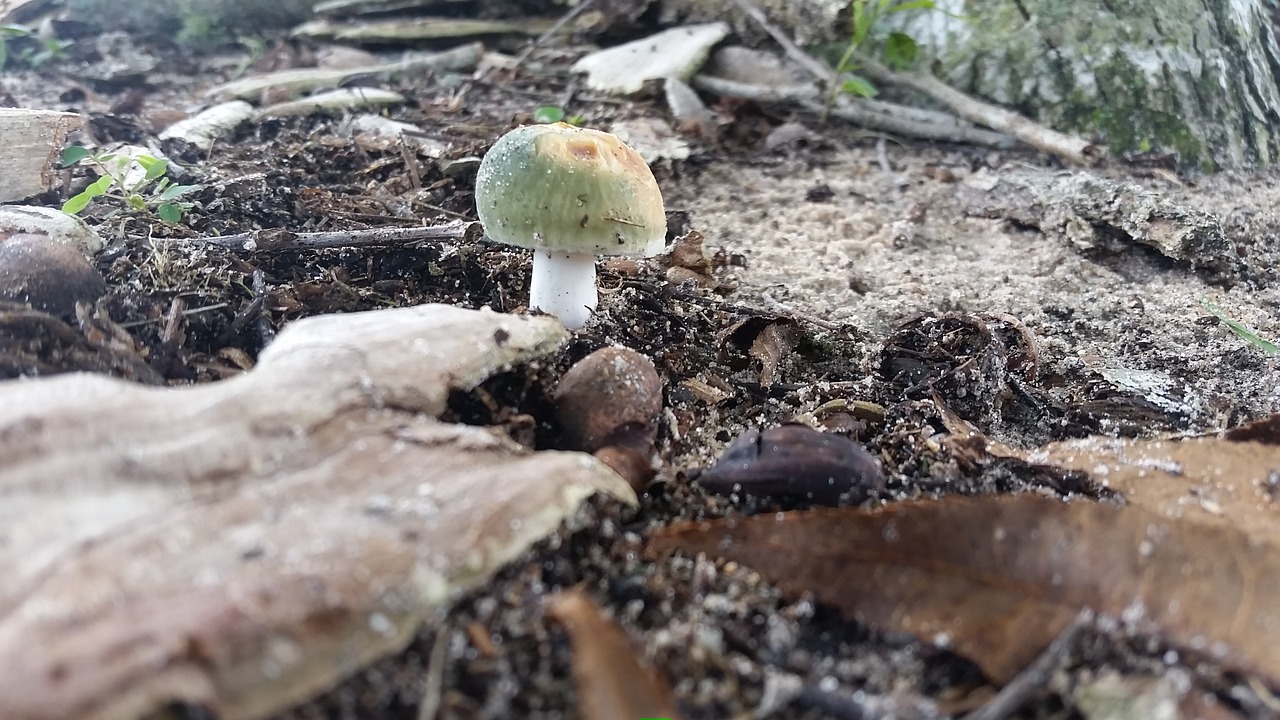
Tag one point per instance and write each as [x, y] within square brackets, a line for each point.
[1234, 484]
[242, 545]
[612, 682]
[996, 578]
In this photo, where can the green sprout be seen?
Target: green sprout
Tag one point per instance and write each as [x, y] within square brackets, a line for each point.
[149, 191]
[554, 114]
[899, 49]
[1241, 330]
[22, 45]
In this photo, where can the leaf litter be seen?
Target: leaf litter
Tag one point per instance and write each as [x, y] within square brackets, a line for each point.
[1188, 555]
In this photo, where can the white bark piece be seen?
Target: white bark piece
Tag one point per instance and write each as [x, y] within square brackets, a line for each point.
[404, 29]
[59, 226]
[204, 128]
[30, 141]
[341, 99]
[298, 80]
[383, 132]
[678, 52]
[243, 545]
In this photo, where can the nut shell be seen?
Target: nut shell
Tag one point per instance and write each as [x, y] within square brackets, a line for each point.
[47, 275]
[607, 390]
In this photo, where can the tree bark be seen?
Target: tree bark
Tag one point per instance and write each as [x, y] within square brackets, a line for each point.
[1196, 77]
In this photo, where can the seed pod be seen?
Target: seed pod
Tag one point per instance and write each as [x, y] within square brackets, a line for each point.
[794, 461]
[47, 275]
[603, 392]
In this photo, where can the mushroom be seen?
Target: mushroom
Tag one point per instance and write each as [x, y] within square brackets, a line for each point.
[569, 194]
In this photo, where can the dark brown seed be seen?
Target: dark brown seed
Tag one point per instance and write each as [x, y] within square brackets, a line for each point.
[794, 461]
[47, 275]
[605, 391]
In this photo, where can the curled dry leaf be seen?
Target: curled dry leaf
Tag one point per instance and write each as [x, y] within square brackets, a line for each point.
[611, 679]
[996, 578]
[242, 545]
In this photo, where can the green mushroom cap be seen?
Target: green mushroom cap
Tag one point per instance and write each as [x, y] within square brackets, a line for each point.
[559, 188]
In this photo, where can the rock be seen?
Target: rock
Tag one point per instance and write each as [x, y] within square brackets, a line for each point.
[678, 52]
[47, 275]
[57, 225]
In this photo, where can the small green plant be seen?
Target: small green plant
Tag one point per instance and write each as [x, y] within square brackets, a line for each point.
[21, 45]
[555, 114]
[1241, 330]
[899, 49]
[136, 181]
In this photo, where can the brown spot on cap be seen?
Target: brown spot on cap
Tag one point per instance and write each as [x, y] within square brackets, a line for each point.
[584, 150]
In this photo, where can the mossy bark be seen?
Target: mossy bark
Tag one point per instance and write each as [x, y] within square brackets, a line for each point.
[1198, 77]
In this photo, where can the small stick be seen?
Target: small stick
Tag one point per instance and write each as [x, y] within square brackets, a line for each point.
[807, 61]
[433, 690]
[277, 240]
[171, 337]
[785, 310]
[1034, 677]
[1069, 148]
[266, 333]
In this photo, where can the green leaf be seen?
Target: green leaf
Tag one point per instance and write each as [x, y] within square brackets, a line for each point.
[72, 154]
[900, 50]
[548, 114]
[177, 191]
[154, 167]
[169, 212]
[77, 203]
[100, 186]
[1241, 330]
[859, 86]
[576, 120]
[136, 201]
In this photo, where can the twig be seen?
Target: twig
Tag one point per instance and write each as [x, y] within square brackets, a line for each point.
[171, 337]
[433, 690]
[845, 704]
[869, 114]
[1034, 677]
[1070, 148]
[807, 61]
[277, 240]
[886, 167]
[266, 333]
[786, 310]
[953, 131]
[574, 12]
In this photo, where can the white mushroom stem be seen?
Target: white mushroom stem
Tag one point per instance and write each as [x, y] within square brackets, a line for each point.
[564, 285]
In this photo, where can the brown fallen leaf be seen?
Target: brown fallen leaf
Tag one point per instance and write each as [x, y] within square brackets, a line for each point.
[996, 578]
[1204, 480]
[611, 679]
[1232, 481]
[242, 545]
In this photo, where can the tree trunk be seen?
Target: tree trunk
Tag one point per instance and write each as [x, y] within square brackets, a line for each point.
[1198, 77]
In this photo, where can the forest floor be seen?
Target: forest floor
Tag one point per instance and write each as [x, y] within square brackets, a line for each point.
[844, 271]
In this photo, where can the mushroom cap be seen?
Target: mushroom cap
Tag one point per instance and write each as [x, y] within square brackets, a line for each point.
[559, 188]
